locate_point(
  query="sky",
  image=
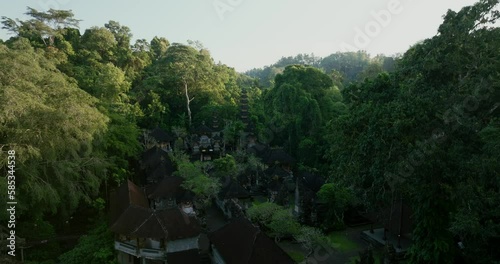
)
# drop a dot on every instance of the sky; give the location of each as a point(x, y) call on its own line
point(246, 34)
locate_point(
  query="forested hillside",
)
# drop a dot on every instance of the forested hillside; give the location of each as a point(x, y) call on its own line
point(343, 67)
point(423, 127)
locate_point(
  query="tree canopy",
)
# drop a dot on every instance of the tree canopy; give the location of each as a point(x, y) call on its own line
point(423, 127)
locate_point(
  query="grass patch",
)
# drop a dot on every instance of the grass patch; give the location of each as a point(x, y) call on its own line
point(339, 241)
point(259, 200)
point(377, 255)
point(352, 260)
point(296, 256)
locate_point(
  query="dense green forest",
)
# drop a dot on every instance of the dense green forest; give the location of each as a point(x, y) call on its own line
point(423, 126)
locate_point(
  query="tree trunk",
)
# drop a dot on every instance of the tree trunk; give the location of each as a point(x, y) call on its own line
point(309, 254)
point(188, 102)
point(296, 208)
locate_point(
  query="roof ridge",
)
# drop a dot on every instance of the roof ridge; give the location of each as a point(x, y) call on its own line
point(185, 216)
point(161, 224)
point(129, 193)
point(255, 234)
point(143, 222)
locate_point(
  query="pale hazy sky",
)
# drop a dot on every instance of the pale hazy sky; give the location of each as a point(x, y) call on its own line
point(253, 33)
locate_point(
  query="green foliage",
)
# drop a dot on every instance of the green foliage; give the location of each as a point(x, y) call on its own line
point(39, 230)
point(204, 187)
point(225, 166)
point(101, 41)
point(426, 132)
point(337, 199)
point(159, 47)
point(154, 111)
point(366, 257)
point(346, 66)
point(43, 28)
point(297, 256)
point(232, 131)
point(300, 92)
point(187, 80)
point(121, 139)
point(339, 241)
point(277, 220)
point(349, 64)
point(263, 213)
point(51, 124)
point(310, 237)
point(283, 224)
point(95, 247)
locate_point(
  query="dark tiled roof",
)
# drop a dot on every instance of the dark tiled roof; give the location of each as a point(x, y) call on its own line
point(233, 190)
point(130, 213)
point(150, 188)
point(153, 156)
point(179, 224)
point(259, 150)
point(240, 242)
point(169, 187)
point(397, 220)
point(276, 170)
point(171, 224)
point(184, 257)
point(186, 196)
point(136, 222)
point(279, 155)
point(203, 243)
point(203, 129)
point(128, 194)
point(235, 240)
point(312, 181)
point(157, 164)
point(267, 252)
point(163, 169)
point(274, 185)
point(131, 216)
point(161, 136)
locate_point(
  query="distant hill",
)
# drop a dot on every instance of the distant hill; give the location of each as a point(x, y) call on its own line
point(344, 67)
